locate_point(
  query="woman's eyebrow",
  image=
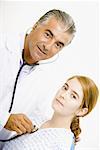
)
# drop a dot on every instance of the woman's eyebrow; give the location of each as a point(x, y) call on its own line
point(66, 84)
point(73, 91)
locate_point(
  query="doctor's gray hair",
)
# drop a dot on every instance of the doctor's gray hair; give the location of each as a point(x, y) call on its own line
point(61, 16)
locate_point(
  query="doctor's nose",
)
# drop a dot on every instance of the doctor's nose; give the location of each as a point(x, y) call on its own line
point(45, 48)
point(48, 46)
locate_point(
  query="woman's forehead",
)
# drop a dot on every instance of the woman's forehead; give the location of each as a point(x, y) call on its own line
point(75, 85)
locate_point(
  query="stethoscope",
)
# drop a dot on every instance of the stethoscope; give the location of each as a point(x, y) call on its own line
point(15, 85)
point(12, 138)
point(16, 80)
point(13, 94)
point(51, 60)
point(33, 65)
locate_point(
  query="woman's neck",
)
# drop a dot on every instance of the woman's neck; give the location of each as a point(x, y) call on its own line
point(58, 121)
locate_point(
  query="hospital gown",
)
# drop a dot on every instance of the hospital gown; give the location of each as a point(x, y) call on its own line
point(43, 139)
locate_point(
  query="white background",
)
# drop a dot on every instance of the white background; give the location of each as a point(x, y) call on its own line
point(80, 57)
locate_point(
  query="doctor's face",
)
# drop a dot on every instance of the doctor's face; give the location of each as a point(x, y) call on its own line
point(69, 98)
point(46, 40)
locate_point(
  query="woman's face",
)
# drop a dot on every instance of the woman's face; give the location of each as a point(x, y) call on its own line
point(69, 98)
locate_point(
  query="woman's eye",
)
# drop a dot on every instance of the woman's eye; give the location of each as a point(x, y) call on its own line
point(73, 96)
point(65, 88)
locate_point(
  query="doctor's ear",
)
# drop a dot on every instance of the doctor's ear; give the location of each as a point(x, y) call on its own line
point(82, 112)
point(29, 30)
point(35, 26)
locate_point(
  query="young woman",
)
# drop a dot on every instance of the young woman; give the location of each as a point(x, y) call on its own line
point(75, 99)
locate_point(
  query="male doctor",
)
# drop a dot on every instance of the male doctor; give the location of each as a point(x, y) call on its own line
point(19, 62)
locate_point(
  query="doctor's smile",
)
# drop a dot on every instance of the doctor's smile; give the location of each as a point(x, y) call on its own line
point(42, 51)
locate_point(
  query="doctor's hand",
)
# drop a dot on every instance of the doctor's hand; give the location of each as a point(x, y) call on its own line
point(19, 123)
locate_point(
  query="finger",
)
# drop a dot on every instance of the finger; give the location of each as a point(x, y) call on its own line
point(13, 127)
point(28, 121)
point(26, 126)
point(17, 130)
point(21, 127)
point(8, 128)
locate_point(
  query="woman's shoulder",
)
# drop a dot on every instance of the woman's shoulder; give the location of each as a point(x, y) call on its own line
point(64, 139)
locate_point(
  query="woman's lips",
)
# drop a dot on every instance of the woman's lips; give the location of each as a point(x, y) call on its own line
point(59, 102)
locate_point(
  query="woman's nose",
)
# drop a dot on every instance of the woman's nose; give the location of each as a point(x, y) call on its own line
point(63, 94)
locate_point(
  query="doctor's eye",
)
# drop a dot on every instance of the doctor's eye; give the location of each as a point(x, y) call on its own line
point(58, 45)
point(47, 35)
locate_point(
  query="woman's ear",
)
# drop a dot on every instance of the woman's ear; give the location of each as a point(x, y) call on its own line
point(82, 112)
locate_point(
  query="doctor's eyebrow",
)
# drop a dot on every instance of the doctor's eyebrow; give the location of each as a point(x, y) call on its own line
point(50, 32)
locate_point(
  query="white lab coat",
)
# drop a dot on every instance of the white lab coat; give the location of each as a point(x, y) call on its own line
point(29, 90)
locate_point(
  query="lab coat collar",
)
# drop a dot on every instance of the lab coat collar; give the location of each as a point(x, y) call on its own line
point(15, 42)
